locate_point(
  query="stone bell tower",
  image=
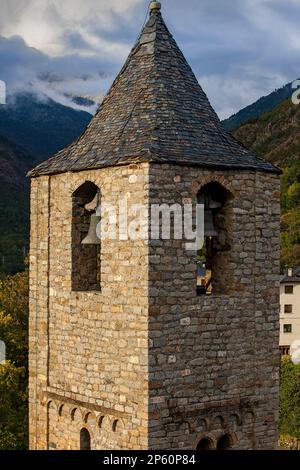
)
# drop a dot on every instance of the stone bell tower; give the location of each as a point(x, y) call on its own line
point(143, 344)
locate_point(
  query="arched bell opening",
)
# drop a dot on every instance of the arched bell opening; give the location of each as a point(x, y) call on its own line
point(86, 245)
point(213, 255)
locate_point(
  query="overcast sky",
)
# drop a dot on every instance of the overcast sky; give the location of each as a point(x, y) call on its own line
point(239, 49)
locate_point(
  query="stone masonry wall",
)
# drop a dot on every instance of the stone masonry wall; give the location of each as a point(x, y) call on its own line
point(88, 350)
point(212, 364)
point(214, 360)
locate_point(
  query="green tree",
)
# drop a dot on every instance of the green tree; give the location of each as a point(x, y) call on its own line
point(290, 399)
point(14, 373)
point(290, 215)
point(14, 317)
point(293, 195)
point(13, 408)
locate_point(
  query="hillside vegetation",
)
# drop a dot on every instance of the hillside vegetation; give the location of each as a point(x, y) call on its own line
point(14, 206)
point(275, 136)
point(14, 372)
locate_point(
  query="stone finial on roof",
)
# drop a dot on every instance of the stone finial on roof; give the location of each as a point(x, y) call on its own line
point(155, 6)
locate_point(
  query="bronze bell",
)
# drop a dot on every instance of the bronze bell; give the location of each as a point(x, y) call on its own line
point(214, 204)
point(92, 238)
point(209, 228)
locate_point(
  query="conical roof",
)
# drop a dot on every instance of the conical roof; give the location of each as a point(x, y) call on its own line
point(155, 111)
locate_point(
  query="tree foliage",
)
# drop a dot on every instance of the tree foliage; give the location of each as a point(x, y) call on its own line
point(14, 372)
point(290, 218)
point(290, 398)
point(13, 407)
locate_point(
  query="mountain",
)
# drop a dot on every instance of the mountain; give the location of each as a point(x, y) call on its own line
point(275, 136)
point(14, 206)
point(14, 163)
point(261, 106)
point(31, 129)
point(40, 125)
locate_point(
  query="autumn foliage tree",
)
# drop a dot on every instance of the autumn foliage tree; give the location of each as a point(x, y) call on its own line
point(14, 372)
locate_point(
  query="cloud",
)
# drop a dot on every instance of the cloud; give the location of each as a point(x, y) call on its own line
point(25, 68)
point(42, 23)
point(239, 50)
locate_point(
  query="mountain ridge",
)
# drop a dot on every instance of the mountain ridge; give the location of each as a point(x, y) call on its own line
point(258, 108)
point(39, 124)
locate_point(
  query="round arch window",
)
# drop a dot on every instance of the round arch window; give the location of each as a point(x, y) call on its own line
point(85, 439)
point(224, 443)
point(204, 444)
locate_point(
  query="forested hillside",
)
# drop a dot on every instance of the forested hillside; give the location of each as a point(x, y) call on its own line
point(14, 206)
point(275, 136)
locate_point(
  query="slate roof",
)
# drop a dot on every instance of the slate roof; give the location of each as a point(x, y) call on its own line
point(294, 279)
point(155, 111)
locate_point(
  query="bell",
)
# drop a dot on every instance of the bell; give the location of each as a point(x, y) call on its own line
point(214, 204)
point(209, 228)
point(92, 238)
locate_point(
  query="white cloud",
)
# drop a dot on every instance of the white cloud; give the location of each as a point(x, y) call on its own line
point(230, 94)
point(41, 23)
point(240, 49)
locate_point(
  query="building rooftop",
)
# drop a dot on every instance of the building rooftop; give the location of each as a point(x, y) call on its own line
point(155, 111)
point(291, 275)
